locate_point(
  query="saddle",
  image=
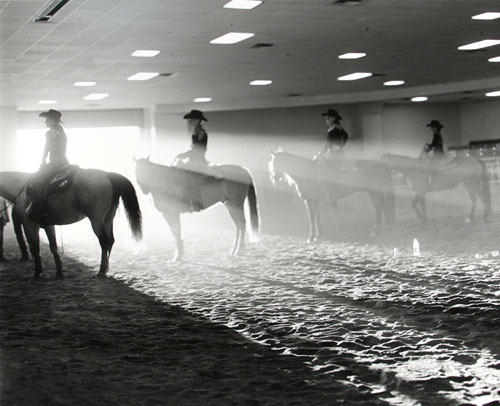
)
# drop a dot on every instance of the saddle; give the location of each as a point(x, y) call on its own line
point(62, 179)
point(44, 185)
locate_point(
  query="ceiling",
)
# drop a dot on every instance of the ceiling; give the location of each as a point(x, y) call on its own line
point(92, 40)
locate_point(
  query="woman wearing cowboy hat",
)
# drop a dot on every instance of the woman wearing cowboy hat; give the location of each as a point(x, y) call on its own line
point(55, 151)
point(199, 140)
point(336, 137)
point(436, 146)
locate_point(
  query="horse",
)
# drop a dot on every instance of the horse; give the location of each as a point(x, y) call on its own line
point(92, 194)
point(316, 180)
point(467, 170)
point(18, 231)
point(172, 188)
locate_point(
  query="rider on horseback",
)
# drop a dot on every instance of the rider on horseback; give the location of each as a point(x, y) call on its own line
point(55, 150)
point(434, 152)
point(336, 137)
point(194, 159)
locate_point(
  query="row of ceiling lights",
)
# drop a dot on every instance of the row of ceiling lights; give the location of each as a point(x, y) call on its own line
point(487, 16)
point(230, 38)
point(235, 37)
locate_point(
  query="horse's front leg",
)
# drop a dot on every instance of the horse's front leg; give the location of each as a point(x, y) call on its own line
point(312, 212)
point(417, 201)
point(473, 199)
point(174, 222)
point(51, 235)
point(31, 231)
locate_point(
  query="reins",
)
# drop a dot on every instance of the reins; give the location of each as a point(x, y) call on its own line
point(11, 203)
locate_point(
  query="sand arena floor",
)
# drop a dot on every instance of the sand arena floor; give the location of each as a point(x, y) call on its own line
point(341, 321)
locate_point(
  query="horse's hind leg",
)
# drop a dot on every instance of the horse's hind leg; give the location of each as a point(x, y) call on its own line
point(51, 235)
point(237, 213)
point(100, 232)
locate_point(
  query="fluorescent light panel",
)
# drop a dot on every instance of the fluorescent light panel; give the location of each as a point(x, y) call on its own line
point(84, 84)
point(419, 99)
point(494, 59)
point(232, 38)
point(145, 53)
point(352, 55)
point(493, 94)
point(355, 76)
point(480, 44)
point(243, 4)
point(96, 96)
point(261, 82)
point(394, 83)
point(486, 16)
point(202, 99)
point(47, 101)
point(143, 76)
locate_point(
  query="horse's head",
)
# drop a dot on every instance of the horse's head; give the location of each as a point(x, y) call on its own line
point(142, 175)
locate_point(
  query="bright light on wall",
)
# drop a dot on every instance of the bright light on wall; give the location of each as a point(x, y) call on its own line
point(419, 99)
point(82, 148)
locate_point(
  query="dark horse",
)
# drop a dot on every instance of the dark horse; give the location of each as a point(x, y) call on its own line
point(316, 181)
point(92, 193)
point(168, 187)
point(467, 170)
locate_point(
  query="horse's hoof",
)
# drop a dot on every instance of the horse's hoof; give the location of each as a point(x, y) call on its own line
point(22, 259)
point(37, 276)
point(59, 275)
point(3, 259)
point(101, 275)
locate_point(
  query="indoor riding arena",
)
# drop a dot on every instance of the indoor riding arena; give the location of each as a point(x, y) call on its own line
point(256, 203)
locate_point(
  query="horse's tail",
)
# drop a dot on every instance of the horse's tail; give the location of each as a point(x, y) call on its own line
point(254, 211)
point(123, 188)
point(485, 190)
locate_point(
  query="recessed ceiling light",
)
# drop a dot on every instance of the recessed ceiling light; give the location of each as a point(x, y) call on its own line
point(494, 59)
point(355, 76)
point(243, 4)
point(96, 96)
point(352, 55)
point(419, 99)
point(232, 38)
point(480, 44)
point(493, 94)
point(202, 99)
point(143, 76)
point(47, 101)
point(394, 83)
point(261, 82)
point(145, 53)
point(84, 84)
point(486, 16)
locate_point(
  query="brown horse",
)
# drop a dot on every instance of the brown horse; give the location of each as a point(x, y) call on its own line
point(92, 193)
point(468, 170)
point(315, 181)
point(171, 188)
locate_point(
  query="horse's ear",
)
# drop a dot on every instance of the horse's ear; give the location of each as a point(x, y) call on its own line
point(280, 149)
point(273, 154)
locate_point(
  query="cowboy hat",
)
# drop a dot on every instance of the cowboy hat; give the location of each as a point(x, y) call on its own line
point(195, 114)
point(332, 113)
point(435, 123)
point(56, 115)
